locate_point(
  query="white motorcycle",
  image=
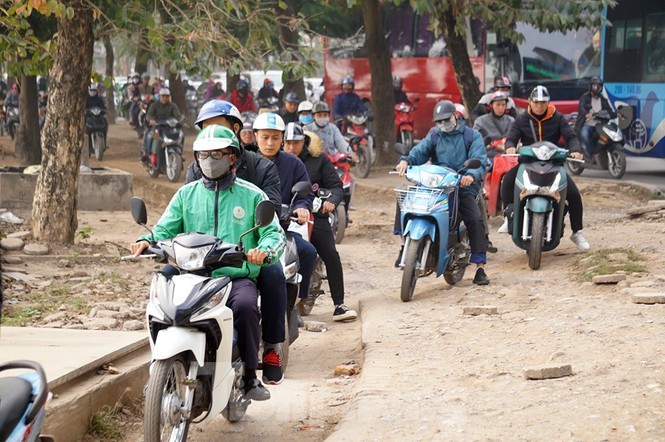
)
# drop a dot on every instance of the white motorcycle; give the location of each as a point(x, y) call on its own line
point(196, 367)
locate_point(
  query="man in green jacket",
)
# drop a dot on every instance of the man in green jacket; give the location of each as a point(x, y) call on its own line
point(222, 205)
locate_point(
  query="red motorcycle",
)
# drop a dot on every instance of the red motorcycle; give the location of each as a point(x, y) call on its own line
point(404, 123)
point(492, 188)
point(360, 139)
point(339, 219)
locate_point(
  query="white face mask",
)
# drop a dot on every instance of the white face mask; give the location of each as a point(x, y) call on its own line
point(447, 125)
point(321, 122)
point(214, 169)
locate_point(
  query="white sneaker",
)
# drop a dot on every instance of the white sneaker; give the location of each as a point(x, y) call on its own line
point(580, 241)
point(504, 226)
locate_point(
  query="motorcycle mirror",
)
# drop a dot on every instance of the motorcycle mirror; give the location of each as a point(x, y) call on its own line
point(401, 149)
point(301, 188)
point(139, 212)
point(265, 212)
point(472, 163)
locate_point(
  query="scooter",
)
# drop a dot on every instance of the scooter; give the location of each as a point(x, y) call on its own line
point(23, 402)
point(403, 113)
point(95, 129)
point(434, 240)
point(342, 163)
point(493, 179)
point(143, 104)
point(196, 367)
point(12, 120)
point(608, 154)
point(361, 141)
point(3, 117)
point(168, 139)
point(540, 200)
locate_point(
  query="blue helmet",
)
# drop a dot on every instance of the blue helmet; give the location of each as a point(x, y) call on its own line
point(348, 80)
point(218, 108)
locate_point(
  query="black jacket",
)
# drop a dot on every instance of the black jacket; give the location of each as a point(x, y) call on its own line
point(549, 127)
point(321, 171)
point(585, 108)
point(265, 176)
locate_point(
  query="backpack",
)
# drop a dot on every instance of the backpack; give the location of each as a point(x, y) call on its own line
point(468, 140)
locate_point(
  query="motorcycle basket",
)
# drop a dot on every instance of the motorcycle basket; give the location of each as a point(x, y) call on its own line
point(416, 199)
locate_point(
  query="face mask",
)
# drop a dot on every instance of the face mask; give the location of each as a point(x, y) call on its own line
point(447, 125)
point(321, 122)
point(306, 119)
point(214, 169)
point(596, 88)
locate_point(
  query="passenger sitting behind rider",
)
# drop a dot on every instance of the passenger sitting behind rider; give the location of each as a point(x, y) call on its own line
point(216, 150)
point(495, 125)
point(445, 145)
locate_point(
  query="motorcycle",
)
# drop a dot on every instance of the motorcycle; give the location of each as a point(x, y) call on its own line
point(434, 240)
point(404, 123)
point(23, 400)
point(3, 117)
point(270, 104)
point(95, 129)
point(192, 100)
point(170, 138)
point(143, 111)
point(340, 220)
point(357, 134)
point(12, 120)
point(196, 367)
point(494, 177)
point(608, 154)
point(540, 197)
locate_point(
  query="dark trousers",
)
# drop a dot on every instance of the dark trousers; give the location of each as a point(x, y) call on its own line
point(573, 197)
point(307, 258)
point(272, 287)
point(586, 134)
point(243, 301)
point(469, 212)
point(324, 243)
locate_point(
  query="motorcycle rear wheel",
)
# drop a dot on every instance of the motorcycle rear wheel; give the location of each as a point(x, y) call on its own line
point(163, 418)
point(452, 277)
point(364, 161)
point(412, 257)
point(616, 165)
point(98, 145)
point(535, 249)
point(406, 138)
point(174, 168)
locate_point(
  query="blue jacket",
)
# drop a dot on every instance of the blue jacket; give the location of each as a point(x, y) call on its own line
point(451, 152)
point(348, 104)
point(292, 170)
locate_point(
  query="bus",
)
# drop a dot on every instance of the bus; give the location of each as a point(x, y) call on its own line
point(626, 55)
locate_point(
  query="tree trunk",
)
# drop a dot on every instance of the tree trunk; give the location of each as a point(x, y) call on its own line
point(28, 150)
point(55, 202)
point(459, 57)
point(383, 99)
point(178, 95)
point(142, 53)
point(110, 102)
point(289, 41)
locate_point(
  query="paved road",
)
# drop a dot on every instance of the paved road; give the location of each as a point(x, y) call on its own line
point(649, 171)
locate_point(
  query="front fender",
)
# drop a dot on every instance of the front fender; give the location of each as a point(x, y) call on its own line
point(418, 228)
point(175, 340)
point(538, 204)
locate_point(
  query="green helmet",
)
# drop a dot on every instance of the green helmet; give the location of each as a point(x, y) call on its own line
point(215, 137)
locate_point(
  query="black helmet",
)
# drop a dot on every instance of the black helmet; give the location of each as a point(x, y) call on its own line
point(596, 85)
point(321, 106)
point(501, 82)
point(397, 82)
point(539, 94)
point(291, 97)
point(242, 84)
point(596, 80)
point(443, 110)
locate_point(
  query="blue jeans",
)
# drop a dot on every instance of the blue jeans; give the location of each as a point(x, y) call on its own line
point(307, 257)
point(586, 133)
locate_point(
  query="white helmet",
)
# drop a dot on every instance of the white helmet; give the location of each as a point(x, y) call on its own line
point(269, 120)
point(305, 106)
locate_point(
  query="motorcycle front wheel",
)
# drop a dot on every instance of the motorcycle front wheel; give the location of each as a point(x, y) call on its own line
point(535, 249)
point(98, 145)
point(412, 258)
point(338, 221)
point(174, 165)
point(616, 164)
point(364, 160)
point(164, 417)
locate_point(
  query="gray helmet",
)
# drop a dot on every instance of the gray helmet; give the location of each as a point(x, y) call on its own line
point(321, 106)
point(291, 97)
point(539, 94)
point(443, 110)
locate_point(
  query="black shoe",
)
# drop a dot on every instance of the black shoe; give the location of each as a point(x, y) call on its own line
point(255, 391)
point(490, 247)
point(399, 257)
point(272, 367)
point(481, 277)
point(343, 313)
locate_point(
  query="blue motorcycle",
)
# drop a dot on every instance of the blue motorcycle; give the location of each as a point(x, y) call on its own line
point(434, 239)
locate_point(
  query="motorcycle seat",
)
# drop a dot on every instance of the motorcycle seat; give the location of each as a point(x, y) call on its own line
point(15, 395)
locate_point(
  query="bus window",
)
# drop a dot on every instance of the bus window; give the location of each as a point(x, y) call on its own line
point(654, 54)
point(623, 62)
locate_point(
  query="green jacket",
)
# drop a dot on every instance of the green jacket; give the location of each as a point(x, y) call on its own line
point(192, 209)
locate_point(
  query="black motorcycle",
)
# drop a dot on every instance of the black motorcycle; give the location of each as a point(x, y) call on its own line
point(95, 130)
point(12, 120)
point(168, 159)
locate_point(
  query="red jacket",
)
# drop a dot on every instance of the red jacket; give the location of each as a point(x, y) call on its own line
point(246, 105)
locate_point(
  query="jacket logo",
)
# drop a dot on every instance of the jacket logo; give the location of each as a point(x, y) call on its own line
point(238, 212)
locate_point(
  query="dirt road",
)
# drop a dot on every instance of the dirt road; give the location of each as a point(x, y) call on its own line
point(432, 373)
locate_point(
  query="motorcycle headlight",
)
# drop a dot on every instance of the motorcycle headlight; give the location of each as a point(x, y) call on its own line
point(95, 111)
point(431, 179)
point(615, 135)
point(544, 152)
point(190, 258)
point(172, 122)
